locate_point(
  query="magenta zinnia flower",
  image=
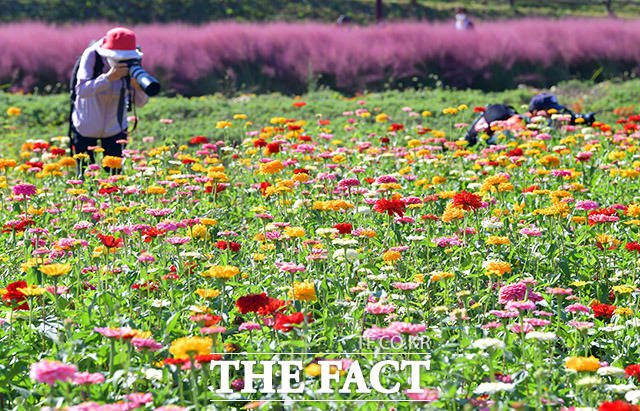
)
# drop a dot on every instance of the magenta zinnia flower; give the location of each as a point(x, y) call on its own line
point(24, 189)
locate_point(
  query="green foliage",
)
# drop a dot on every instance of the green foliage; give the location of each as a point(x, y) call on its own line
point(47, 115)
point(360, 11)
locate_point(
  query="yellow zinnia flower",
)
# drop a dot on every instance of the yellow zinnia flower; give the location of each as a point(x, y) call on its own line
point(305, 291)
point(186, 347)
point(55, 270)
point(583, 363)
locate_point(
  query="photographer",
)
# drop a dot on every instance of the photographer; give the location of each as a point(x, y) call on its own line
point(102, 89)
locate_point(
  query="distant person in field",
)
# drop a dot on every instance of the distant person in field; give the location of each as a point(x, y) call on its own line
point(102, 92)
point(344, 22)
point(462, 20)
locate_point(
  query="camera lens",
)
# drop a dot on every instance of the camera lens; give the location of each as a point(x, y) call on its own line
point(150, 85)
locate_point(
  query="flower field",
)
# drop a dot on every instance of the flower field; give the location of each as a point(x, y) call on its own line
point(323, 228)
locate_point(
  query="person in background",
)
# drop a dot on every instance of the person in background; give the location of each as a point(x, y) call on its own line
point(344, 22)
point(462, 20)
point(102, 94)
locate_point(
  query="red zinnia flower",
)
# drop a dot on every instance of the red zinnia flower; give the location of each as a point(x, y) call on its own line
point(479, 109)
point(151, 233)
point(515, 152)
point(617, 405)
point(207, 358)
point(263, 187)
point(109, 190)
point(391, 207)
point(633, 246)
point(286, 322)
point(14, 298)
point(259, 143)
point(110, 241)
point(273, 148)
point(146, 286)
point(343, 228)
point(35, 164)
point(198, 140)
point(603, 310)
point(468, 201)
point(633, 370)
point(273, 306)
point(299, 104)
point(252, 303)
point(206, 320)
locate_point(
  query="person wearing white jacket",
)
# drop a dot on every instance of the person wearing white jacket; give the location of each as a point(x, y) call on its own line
point(98, 113)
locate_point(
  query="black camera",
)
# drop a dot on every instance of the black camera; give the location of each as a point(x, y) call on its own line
point(150, 85)
point(588, 118)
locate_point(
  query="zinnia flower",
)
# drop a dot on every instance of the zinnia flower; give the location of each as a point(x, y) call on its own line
point(48, 371)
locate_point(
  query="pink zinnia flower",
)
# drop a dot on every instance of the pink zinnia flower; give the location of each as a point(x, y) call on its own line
point(349, 182)
point(406, 286)
point(379, 308)
point(291, 267)
point(146, 344)
point(520, 305)
point(140, 398)
point(574, 308)
point(537, 322)
point(586, 205)
point(178, 240)
point(515, 328)
point(48, 371)
point(504, 314)
point(60, 290)
point(407, 328)
point(375, 333)
point(249, 325)
point(490, 325)
point(81, 378)
point(581, 325)
point(213, 330)
point(534, 232)
point(559, 291)
point(386, 180)
point(424, 396)
point(516, 292)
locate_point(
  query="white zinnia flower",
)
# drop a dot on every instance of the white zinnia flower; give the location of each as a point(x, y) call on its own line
point(611, 372)
point(619, 388)
point(633, 396)
point(485, 343)
point(541, 336)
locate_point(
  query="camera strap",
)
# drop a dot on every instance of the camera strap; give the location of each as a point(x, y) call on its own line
point(120, 113)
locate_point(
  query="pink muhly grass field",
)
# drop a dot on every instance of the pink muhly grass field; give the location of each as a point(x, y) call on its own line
point(185, 57)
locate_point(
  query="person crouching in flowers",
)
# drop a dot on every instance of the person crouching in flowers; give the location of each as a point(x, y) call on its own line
point(100, 98)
